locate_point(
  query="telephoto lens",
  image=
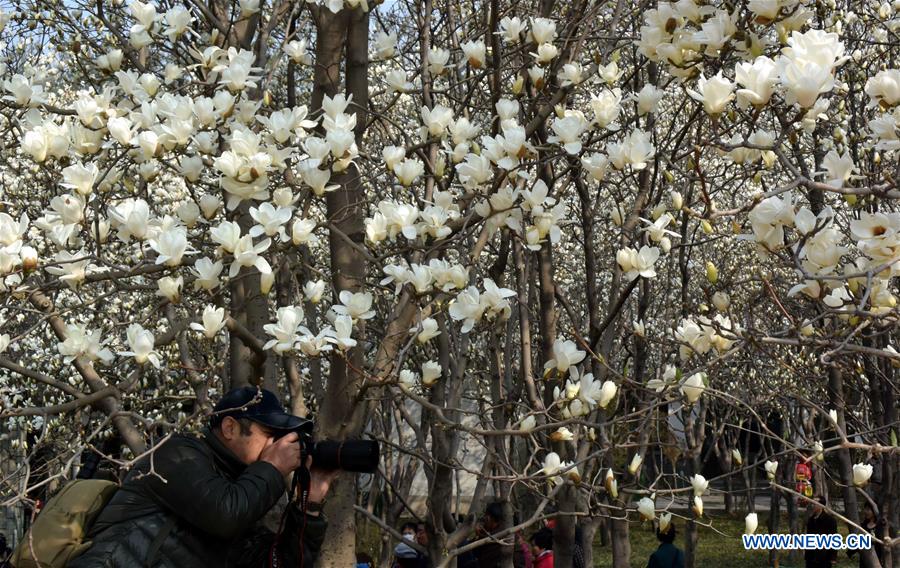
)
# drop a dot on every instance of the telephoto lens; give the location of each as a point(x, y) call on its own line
point(359, 456)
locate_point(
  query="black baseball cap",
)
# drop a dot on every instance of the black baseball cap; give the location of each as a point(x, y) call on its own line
point(259, 405)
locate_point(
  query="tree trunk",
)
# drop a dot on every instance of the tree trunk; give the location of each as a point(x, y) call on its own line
point(340, 416)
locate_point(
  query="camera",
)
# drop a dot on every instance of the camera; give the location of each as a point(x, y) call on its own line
point(358, 456)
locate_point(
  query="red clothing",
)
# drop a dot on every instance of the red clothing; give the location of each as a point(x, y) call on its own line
point(545, 560)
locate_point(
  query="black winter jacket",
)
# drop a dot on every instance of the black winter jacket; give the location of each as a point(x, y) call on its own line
point(216, 502)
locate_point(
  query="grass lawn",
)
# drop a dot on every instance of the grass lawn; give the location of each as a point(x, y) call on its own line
point(714, 549)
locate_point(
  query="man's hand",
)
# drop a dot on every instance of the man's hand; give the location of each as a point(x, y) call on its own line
point(320, 481)
point(283, 453)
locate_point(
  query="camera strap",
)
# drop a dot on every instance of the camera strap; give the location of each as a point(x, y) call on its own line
point(299, 486)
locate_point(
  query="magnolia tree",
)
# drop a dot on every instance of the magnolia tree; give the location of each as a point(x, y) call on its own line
point(608, 248)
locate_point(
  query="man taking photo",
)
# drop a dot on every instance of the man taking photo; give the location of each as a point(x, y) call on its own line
point(198, 500)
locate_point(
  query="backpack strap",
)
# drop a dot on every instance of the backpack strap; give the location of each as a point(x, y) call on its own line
point(157, 543)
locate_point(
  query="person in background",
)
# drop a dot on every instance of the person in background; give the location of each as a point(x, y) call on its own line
point(820, 522)
point(490, 555)
point(422, 539)
point(874, 525)
point(542, 548)
point(578, 553)
point(405, 556)
point(667, 555)
point(363, 560)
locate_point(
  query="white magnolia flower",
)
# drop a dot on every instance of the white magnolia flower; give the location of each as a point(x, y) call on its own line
point(71, 271)
point(238, 73)
point(177, 21)
point(567, 132)
point(80, 177)
point(700, 484)
point(313, 291)
point(635, 151)
point(562, 434)
point(528, 423)
point(131, 219)
point(110, 61)
point(302, 232)
point(436, 119)
point(437, 60)
point(657, 229)
point(721, 301)
point(884, 88)
point(771, 467)
point(607, 105)
point(342, 333)
point(23, 92)
point(612, 486)
point(665, 520)
point(121, 129)
point(11, 231)
point(638, 263)
point(288, 320)
point(635, 464)
point(171, 246)
point(693, 387)
point(758, 80)
point(610, 73)
point(398, 82)
point(385, 45)
point(313, 345)
point(697, 506)
point(638, 328)
point(207, 273)
point(210, 205)
point(246, 254)
point(751, 522)
point(392, 155)
point(808, 64)
point(596, 165)
point(189, 213)
point(838, 168)
point(213, 321)
point(426, 330)
point(270, 220)
point(648, 99)
point(565, 355)
point(170, 288)
point(861, 474)
point(4, 342)
point(467, 307)
point(408, 380)
point(736, 457)
point(474, 52)
point(357, 305)
point(546, 52)
point(607, 393)
point(715, 93)
point(408, 170)
point(141, 343)
point(431, 372)
point(84, 344)
point(647, 508)
point(297, 51)
point(818, 451)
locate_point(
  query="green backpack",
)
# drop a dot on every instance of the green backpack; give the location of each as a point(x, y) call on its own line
point(58, 532)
